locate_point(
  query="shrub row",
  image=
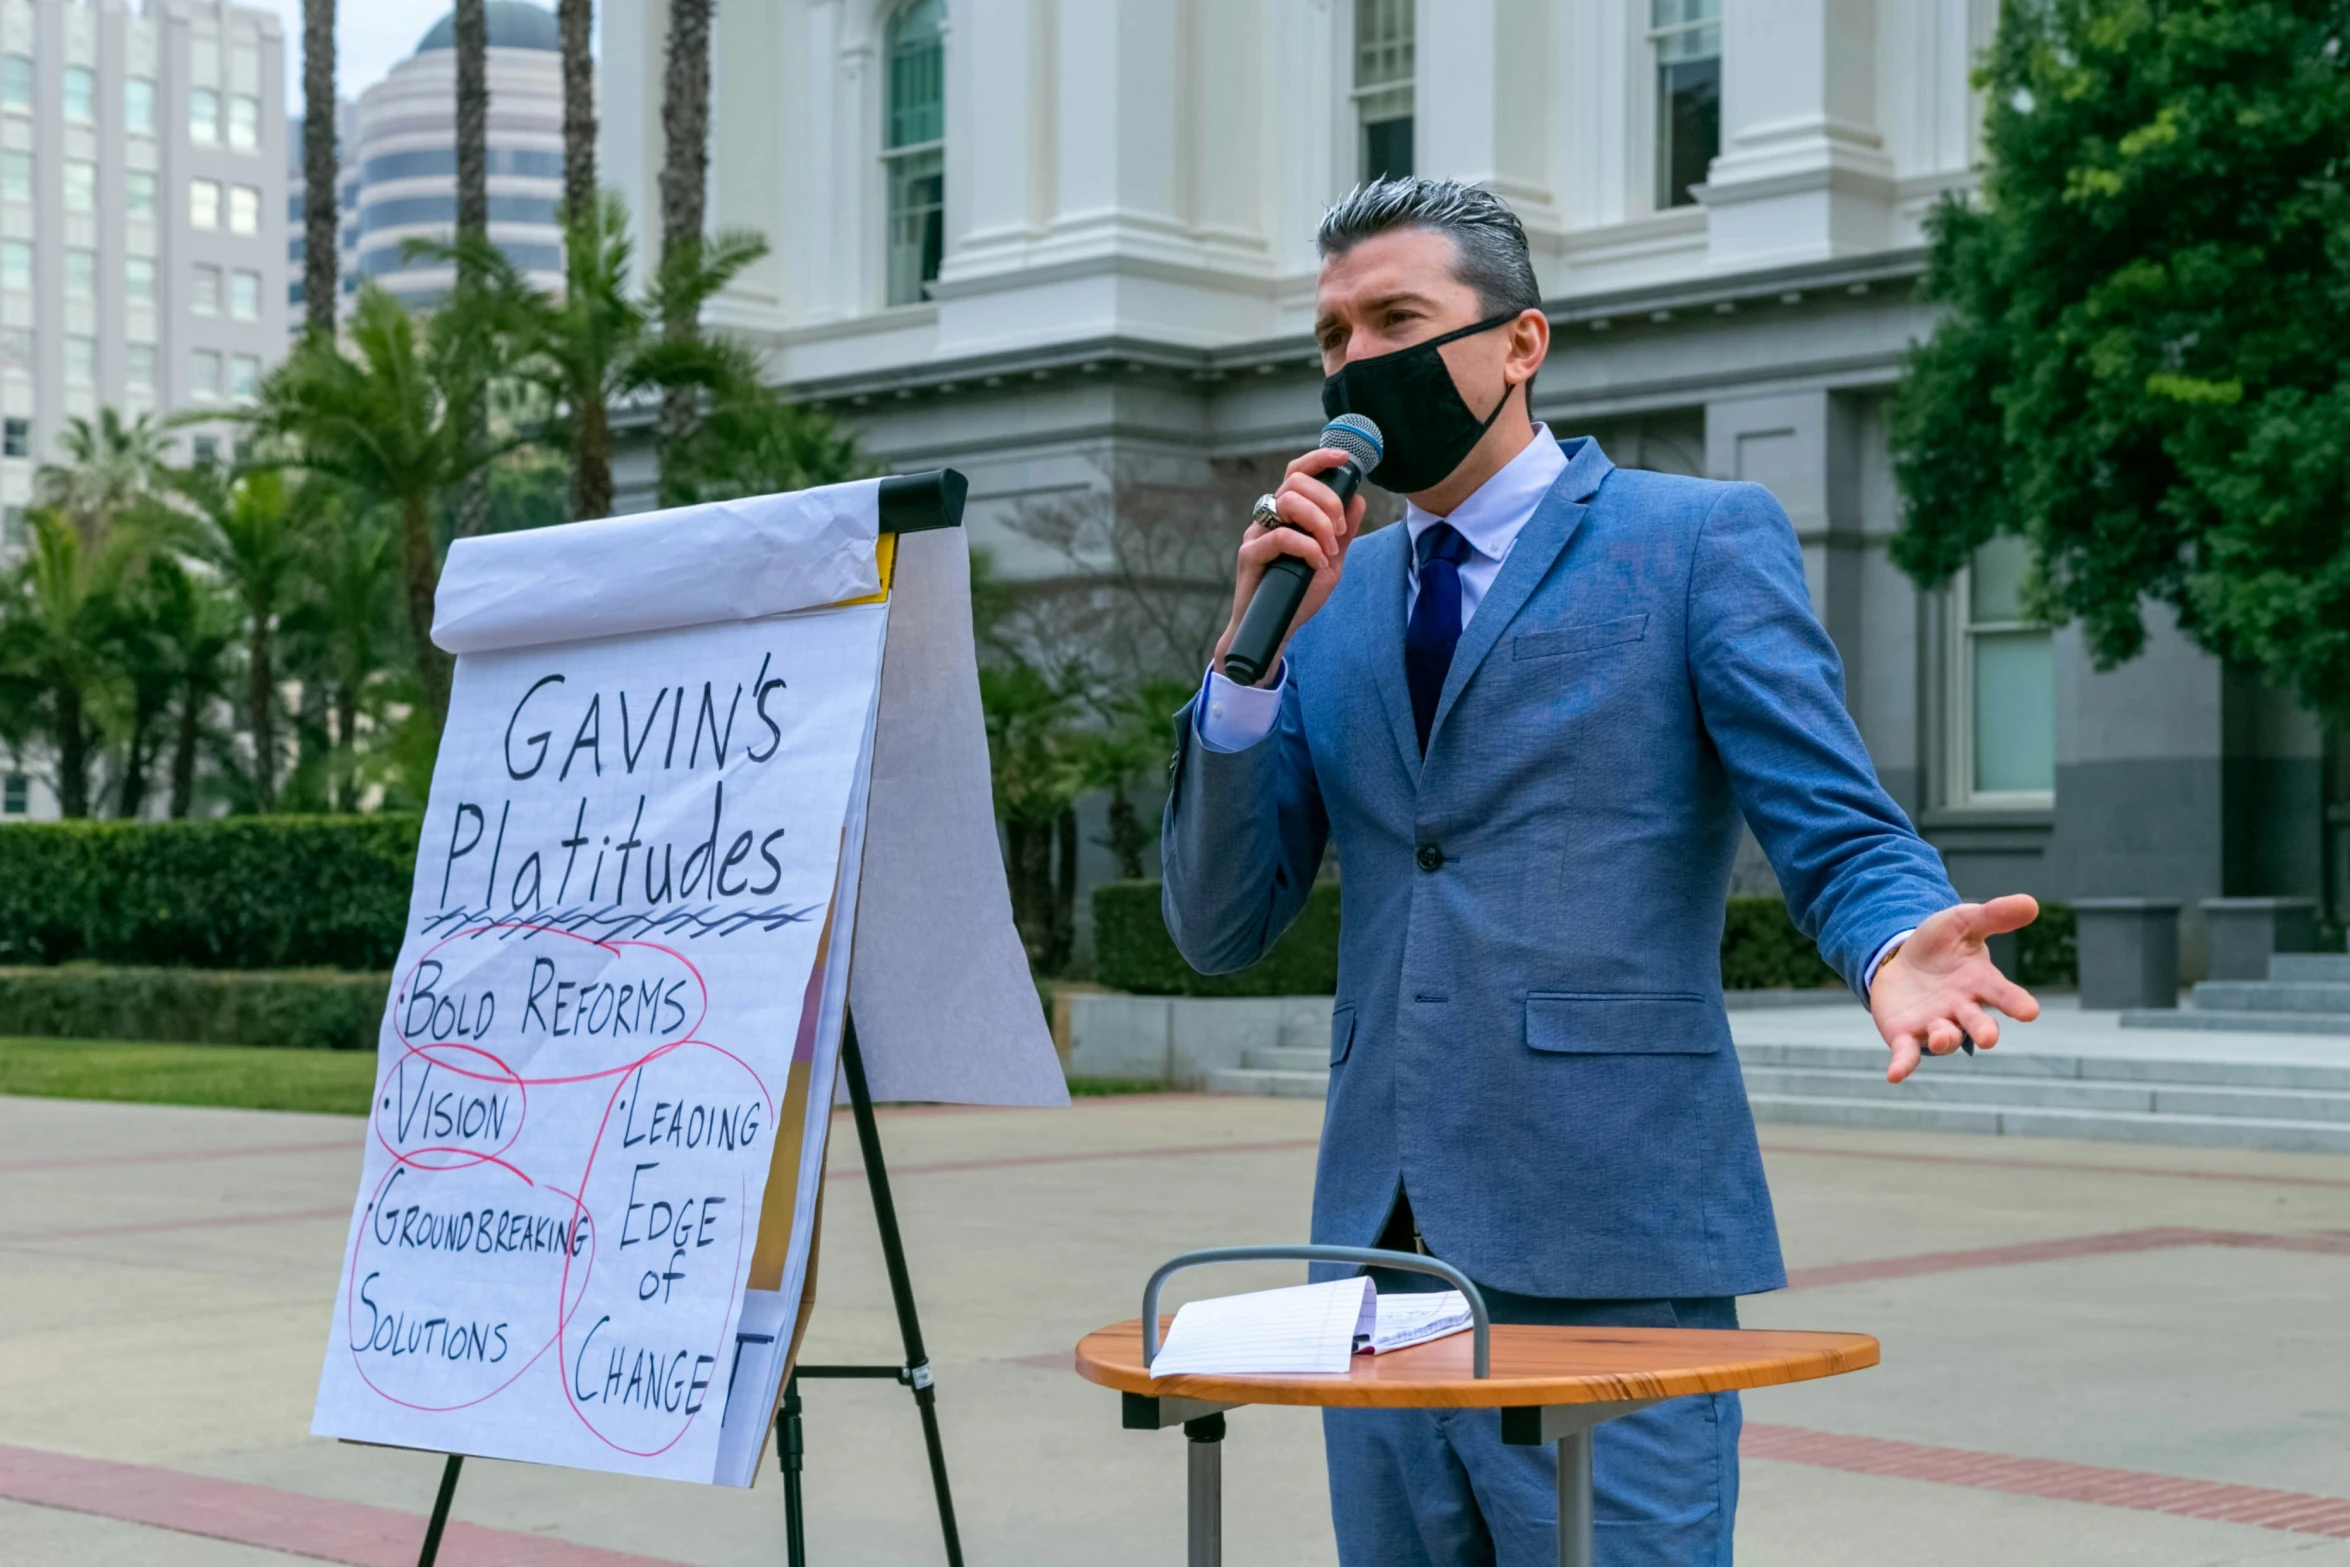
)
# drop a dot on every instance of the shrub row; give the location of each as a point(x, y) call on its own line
point(304, 1010)
point(1761, 949)
point(251, 892)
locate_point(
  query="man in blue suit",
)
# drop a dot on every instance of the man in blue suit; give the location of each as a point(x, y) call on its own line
point(1529, 722)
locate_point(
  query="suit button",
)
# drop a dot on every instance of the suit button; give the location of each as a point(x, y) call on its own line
point(1430, 857)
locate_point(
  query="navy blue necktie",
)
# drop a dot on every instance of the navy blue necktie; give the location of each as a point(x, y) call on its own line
point(1435, 624)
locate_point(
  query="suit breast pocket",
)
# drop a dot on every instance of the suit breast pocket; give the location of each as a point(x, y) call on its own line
point(1618, 1024)
point(1588, 637)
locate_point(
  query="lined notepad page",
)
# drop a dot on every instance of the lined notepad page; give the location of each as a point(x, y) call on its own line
point(1305, 1330)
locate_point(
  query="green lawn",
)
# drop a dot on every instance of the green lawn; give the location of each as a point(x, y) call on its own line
point(337, 1082)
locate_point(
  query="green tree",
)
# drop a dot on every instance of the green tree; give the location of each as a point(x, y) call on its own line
point(1037, 755)
point(345, 623)
point(388, 415)
point(1134, 741)
point(2143, 361)
point(58, 631)
point(112, 466)
point(246, 532)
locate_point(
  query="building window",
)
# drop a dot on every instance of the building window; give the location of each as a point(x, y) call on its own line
point(1688, 39)
point(81, 95)
point(16, 82)
point(1383, 87)
point(16, 350)
point(138, 106)
point(81, 185)
point(207, 449)
point(138, 278)
point(244, 122)
point(244, 375)
point(16, 437)
point(204, 373)
point(16, 791)
point(244, 295)
point(204, 204)
point(138, 194)
point(81, 272)
point(915, 149)
point(204, 117)
point(244, 209)
point(16, 176)
point(2003, 737)
point(204, 294)
point(138, 365)
point(16, 264)
point(81, 361)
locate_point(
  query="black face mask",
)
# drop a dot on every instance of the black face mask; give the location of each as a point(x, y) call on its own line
point(1409, 394)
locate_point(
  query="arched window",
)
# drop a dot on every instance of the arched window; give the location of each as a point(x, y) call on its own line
point(914, 147)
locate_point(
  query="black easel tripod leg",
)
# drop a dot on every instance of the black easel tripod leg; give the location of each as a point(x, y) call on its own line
point(788, 1452)
point(901, 1284)
point(440, 1511)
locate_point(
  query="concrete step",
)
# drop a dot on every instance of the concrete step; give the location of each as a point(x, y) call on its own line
point(1960, 1089)
point(2322, 968)
point(2240, 1022)
point(2276, 995)
point(1289, 1058)
point(1267, 1084)
point(2295, 1136)
point(2008, 1065)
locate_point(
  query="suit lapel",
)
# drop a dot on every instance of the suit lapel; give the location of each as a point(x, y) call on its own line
point(1389, 610)
point(1530, 559)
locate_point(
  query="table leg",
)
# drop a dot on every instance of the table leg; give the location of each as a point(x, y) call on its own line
point(1574, 1455)
point(1206, 1451)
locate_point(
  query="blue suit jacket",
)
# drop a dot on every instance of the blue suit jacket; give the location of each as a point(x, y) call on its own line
point(1529, 1034)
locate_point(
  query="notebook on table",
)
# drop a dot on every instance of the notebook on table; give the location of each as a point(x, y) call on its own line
point(1304, 1330)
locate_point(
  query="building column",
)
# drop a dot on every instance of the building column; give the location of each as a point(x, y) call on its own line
point(1481, 105)
point(1803, 172)
point(1804, 447)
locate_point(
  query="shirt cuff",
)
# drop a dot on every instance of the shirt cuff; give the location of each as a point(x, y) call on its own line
point(1233, 717)
point(1869, 983)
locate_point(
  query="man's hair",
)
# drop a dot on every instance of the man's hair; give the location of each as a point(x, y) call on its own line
point(1489, 243)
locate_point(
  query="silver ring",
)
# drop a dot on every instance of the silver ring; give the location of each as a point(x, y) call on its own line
point(1267, 513)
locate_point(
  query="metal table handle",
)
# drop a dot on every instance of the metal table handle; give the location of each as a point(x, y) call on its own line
point(1481, 1324)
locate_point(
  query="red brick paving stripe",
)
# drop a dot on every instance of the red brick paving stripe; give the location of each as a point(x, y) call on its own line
point(183, 1156)
point(2291, 1512)
point(324, 1530)
point(2115, 1243)
point(2060, 1166)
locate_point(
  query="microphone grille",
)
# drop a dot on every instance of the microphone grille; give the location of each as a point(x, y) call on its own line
point(1356, 436)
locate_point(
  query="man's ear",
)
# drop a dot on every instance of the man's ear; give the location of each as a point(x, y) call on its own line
point(1529, 341)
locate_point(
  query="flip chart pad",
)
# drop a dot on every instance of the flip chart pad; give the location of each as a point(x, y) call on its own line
point(607, 1063)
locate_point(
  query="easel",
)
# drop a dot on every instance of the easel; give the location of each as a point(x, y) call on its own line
point(914, 1374)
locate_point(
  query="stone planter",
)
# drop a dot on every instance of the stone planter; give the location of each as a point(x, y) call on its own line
point(2129, 950)
point(2247, 932)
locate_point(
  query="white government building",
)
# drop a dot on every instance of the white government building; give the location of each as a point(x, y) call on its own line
point(1053, 242)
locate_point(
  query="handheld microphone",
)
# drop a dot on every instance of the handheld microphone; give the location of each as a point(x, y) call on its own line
point(1266, 621)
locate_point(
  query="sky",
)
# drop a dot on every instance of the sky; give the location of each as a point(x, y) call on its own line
point(371, 36)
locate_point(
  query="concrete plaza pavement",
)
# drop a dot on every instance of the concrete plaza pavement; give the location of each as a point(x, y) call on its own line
point(2163, 1328)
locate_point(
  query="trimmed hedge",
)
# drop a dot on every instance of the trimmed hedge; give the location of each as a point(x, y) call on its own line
point(1132, 950)
point(1761, 949)
point(247, 892)
point(304, 1010)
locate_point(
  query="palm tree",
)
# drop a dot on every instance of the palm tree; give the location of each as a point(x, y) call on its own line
point(685, 131)
point(388, 417)
point(596, 343)
point(1037, 757)
point(576, 21)
point(247, 533)
point(194, 626)
point(473, 221)
point(320, 218)
point(110, 468)
point(347, 620)
point(56, 645)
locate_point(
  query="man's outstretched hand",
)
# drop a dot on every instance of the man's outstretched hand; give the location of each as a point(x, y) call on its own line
point(1941, 982)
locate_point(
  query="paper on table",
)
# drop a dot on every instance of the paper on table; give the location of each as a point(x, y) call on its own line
point(1402, 1320)
point(1305, 1330)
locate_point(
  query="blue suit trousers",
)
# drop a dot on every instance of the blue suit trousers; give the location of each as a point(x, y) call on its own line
point(1439, 1488)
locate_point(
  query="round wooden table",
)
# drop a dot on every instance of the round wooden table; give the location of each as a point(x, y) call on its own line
point(1550, 1384)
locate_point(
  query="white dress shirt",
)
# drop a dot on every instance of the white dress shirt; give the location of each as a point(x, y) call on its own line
point(1233, 717)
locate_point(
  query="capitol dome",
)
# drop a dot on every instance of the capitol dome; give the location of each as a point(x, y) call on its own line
point(512, 25)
